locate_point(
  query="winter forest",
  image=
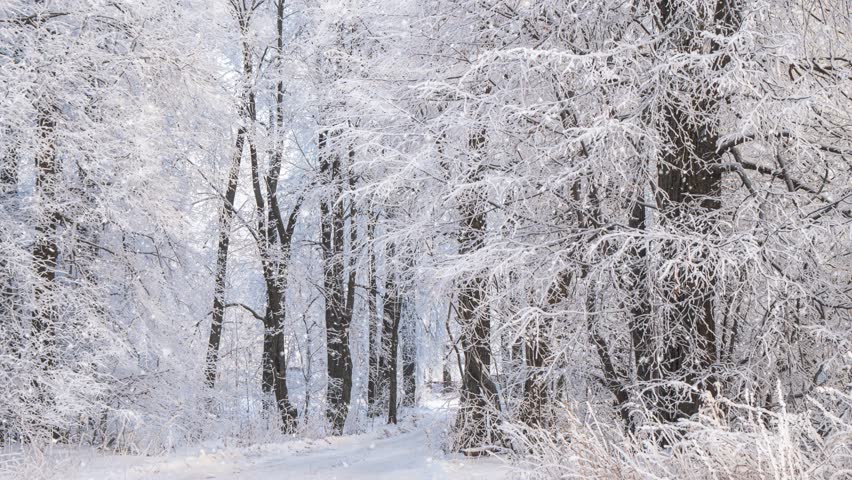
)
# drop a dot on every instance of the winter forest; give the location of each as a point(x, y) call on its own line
point(437, 239)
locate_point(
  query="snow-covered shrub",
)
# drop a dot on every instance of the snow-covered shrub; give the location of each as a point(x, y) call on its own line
point(728, 441)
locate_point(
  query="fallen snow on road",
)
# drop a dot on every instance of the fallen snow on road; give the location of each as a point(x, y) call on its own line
point(410, 451)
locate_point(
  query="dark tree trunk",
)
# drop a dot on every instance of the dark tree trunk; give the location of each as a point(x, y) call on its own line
point(391, 315)
point(10, 330)
point(46, 250)
point(337, 314)
point(225, 219)
point(535, 402)
point(372, 325)
point(409, 354)
point(392, 370)
point(9, 166)
point(352, 270)
point(274, 371)
point(690, 192)
point(689, 197)
point(352, 274)
point(639, 297)
point(277, 265)
point(274, 367)
point(476, 420)
point(446, 376)
point(614, 374)
point(270, 231)
point(274, 374)
point(535, 406)
point(267, 373)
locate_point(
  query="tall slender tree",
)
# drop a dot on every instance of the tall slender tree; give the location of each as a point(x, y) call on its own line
point(338, 317)
point(226, 217)
point(373, 337)
point(476, 420)
point(391, 315)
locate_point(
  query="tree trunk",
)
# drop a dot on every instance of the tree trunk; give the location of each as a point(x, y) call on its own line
point(9, 166)
point(535, 404)
point(267, 372)
point(446, 376)
point(274, 266)
point(476, 420)
point(639, 297)
point(46, 250)
point(372, 325)
point(225, 219)
point(451, 347)
point(274, 368)
point(409, 352)
point(10, 330)
point(614, 375)
point(392, 311)
point(688, 198)
point(337, 316)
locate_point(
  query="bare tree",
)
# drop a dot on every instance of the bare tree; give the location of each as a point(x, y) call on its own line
point(476, 420)
point(374, 335)
point(408, 347)
point(225, 220)
point(338, 311)
point(46, 250)
point(391, 314)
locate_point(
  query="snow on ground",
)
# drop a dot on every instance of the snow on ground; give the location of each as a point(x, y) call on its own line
point(410, 451)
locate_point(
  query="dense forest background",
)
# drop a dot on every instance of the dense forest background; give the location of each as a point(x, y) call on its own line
point(620, 230)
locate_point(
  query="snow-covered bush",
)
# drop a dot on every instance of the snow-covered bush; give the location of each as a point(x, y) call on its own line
point(727, 441)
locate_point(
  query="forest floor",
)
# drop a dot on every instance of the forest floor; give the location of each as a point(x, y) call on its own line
point(410, 451)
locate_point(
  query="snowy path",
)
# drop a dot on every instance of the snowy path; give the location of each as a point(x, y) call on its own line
point(404, 456)
point(410, 452)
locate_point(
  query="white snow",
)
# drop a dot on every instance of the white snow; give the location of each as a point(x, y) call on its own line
point(410, 451)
